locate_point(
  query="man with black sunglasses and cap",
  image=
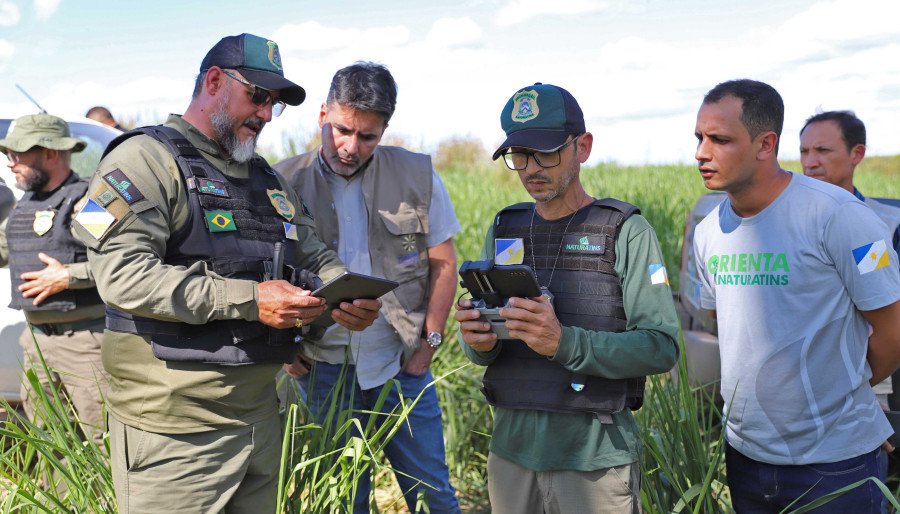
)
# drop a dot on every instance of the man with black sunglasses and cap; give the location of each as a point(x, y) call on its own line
point(564, 385)
point(203, 258)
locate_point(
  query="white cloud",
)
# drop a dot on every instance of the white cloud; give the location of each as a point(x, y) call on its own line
point(7, 50)
point(44, 9)
point(10, 15)
point(311, 36)
point(147, 99)
point(518, 11)
point(449, 32)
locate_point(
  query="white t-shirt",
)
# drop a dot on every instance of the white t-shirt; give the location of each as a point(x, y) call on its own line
point(788, 285)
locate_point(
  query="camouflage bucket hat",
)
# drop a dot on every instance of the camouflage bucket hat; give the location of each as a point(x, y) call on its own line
point(43, 130)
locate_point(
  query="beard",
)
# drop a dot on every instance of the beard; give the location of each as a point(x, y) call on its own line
point(561, 186)
point(223, 127)
point(32, 180)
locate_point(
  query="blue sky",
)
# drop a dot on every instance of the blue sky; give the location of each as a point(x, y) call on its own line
point(638, 68)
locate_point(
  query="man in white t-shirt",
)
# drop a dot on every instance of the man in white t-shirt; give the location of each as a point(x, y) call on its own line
point(796, 270)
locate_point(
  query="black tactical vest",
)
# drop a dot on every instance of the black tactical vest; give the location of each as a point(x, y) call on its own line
point(40, 223)
point(244, 253)
point(587, 293)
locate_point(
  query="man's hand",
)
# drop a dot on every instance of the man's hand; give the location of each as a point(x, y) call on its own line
point(282, 305)
point(420, 361)
point(301, 366)
point(358, 315)
point(45, 282)
point(476, 334)
point(533, 321)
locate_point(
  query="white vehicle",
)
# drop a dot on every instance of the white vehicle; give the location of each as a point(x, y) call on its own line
point(12, 322)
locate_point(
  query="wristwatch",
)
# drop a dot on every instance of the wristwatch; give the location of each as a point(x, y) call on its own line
point(433, 338)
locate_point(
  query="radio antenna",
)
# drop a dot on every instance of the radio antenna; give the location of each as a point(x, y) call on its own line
point(43, 111)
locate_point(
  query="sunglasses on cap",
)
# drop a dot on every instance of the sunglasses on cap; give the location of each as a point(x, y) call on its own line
point(260, 96)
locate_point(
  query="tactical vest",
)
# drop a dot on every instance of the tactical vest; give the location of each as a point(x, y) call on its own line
point(587, 293)
point(242, 251)
point(396, 187)
point(42, 225)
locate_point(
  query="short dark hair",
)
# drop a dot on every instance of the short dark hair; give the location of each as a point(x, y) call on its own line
point(198, 83)
point(99, 110)
point(762, 109)
point(365, 86)
point(852, 128)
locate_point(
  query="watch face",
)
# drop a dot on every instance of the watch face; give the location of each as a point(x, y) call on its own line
point(434, 339)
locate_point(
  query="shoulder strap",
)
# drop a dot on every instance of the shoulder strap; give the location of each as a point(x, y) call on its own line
point(625, 208)
point(517, 207)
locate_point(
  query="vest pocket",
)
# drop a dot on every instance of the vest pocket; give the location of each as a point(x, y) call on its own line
point(405, 221)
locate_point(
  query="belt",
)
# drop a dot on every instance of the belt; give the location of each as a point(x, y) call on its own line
point(57, 329)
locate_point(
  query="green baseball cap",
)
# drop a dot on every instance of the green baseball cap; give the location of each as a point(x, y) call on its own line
point(44, 130)
point(258, 60)
point(540, 117)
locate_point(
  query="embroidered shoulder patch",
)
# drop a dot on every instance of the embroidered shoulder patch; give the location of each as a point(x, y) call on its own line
point(106, 197)
point(43, 222)
point(658, 274)
point(509, 251)
point(210, 186)
point(123, 185)
point(290, 231)
point(872, 256)
point(219, 221)
point(95, 219)
point(282, 205)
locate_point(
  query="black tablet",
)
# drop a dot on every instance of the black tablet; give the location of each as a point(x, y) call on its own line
point(496, 284)
point(349, 286)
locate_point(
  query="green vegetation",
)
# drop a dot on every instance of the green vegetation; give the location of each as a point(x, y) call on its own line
point(50, 469)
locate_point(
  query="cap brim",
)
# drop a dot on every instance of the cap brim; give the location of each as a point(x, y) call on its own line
point(23, 144)
point(291, 93)
point(538, 140)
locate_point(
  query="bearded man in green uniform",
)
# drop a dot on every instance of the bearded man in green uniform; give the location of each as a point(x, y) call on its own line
point(564, 385)
point(190, 233)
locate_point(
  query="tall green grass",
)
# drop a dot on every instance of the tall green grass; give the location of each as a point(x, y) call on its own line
point(47, 467)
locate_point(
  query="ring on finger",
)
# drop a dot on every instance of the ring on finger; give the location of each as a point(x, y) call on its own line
point(299, 323)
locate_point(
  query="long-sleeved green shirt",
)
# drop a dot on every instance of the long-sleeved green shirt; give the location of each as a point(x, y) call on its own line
point(131, 275)
point(544, 441)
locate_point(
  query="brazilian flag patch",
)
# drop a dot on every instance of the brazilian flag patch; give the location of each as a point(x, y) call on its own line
point(219, 221)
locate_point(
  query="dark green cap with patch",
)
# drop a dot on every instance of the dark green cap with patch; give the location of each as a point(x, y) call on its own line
point(540, 117)
point(258, 60)
point(44, 130)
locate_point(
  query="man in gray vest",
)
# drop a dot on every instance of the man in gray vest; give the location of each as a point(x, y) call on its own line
point(565, 383)
point(386, 212)
point(49, 273)
point(187, 228)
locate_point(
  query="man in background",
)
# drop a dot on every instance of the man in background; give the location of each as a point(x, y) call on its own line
point(102, 115)
point(832, 144)
point(51, 279)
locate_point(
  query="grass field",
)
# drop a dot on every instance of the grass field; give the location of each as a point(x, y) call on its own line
point(682, 461)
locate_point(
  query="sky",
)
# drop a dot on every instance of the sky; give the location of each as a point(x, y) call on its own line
point(639, 68)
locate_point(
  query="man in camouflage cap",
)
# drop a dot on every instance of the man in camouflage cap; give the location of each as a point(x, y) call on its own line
point(51, 279)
